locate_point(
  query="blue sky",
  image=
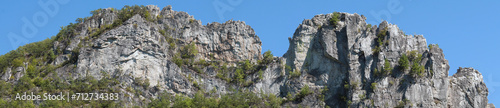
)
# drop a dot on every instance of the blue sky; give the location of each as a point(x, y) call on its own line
point(466, 31)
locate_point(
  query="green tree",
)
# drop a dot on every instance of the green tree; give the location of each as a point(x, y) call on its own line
point(189, 51)
point(289, 96)
point(247, 66)
point(200, 100)
point(18, 62)
point(5, 88)
point(403, 62)
point(273, 101)
point(162, 101)
point(335, 18)
point(417, 69)
point(183, 102)
point(240, 75)
point(31, 71)
point(268, 57)
point(304, 91)
point(178, 60)
point(373, 86)
point(24, 84)
point(387, 67)
point(260, 74)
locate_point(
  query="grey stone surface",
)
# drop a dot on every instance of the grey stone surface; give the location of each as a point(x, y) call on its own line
point(467, 89)
point(332, 56)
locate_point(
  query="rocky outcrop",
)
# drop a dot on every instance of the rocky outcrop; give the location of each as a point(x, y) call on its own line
point(344, 58)
point(346, 63)
point(137, 49)
point(230, 41)
point(467, 89)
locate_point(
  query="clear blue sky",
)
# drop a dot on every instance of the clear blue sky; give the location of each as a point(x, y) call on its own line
point(466, 31)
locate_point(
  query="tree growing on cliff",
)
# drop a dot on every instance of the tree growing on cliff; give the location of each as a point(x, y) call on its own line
point(335, 19)
point(403, 62)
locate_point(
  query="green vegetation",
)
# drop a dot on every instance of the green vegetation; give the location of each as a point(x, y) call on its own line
point(403, 62)
point(128, 11)
point(353, 85)
point(260, 74)
point(18, 62)
point(268, 58)
point(247, 66)
point(387, 67)
point(294, 74)
point(168, 37)
point(140, 82)
point(414, 56)
point(380, 40)
point(417, 70)
point(288, 68)
point(162, 32)
point(122, 15)
point(239, 77)
point(362, 96)
point(16, 58)
point(323, 93)
point(402, 103)
point(243, 68)
point(16, 104)
point(304, 91)
point(335, 19)
point(369, 27)
point(223, 72)
point(289, 97)
point(189, 51)
point(178, 60)
point(373, 86)
point(186, 56)
point(236, 99)
point(53, 84)
point(191, 20)
point(346, 85)
point(432, 45)
point(24, 84)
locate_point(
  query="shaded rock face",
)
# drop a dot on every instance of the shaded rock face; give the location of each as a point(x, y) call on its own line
point(467, 89)
point(348, 59)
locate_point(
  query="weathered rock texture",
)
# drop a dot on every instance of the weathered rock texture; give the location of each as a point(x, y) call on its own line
point(339, 57)
point(342, 58)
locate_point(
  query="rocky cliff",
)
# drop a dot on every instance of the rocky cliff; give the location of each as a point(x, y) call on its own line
point(334, 60)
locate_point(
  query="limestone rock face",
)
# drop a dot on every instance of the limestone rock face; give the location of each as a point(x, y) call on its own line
point(467, 89)
point(344, 58)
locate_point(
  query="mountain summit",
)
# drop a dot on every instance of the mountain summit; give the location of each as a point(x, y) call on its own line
point(166, 58)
